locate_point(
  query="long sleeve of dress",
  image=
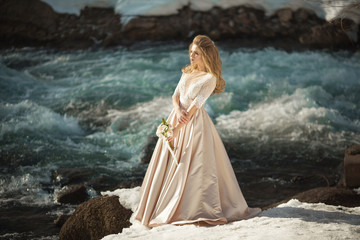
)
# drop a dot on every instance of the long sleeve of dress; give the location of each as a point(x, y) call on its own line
point(177, 89)
point(206, 90)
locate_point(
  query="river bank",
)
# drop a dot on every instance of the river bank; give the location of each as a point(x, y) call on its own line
point(113, 213)
point(342, 205)
point(35, 23)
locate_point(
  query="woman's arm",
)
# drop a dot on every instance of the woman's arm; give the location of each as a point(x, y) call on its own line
point(177, 128)
point(181, 114)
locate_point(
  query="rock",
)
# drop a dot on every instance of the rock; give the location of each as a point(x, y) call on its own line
point(215, 34)
point(31, 22)
point(104, 182)
point(353, 150)
point(28, 13)
point(113, 39)
point(285, 15)
point(332, 35)
point(95, 219)
point(129, 184)
point(329, 195)
point(66, 176)
point(301, 15)
point(93, 115)
point(352, 166)
point(72, 194)
point(108, 183)
point(60, 221)
point(149, 149)
point(29, 221)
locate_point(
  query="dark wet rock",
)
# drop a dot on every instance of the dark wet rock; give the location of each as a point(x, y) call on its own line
point(340, 33)
point(72, 194)
point(110, 183)
point(95, 219)
point(353, 150)
point(329, 195)
point(285, 15)
point(129, 184)
point(60, 221)
point(352, 166)
point(67, 176)
point(149, 149)
point(27, 220)
point(93, 115)
point(20, 155)
point(318, 179)
point(103, 183)
point(33, 22)
point(26, 20)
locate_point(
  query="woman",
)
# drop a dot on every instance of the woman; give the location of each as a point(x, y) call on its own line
point(202, 187)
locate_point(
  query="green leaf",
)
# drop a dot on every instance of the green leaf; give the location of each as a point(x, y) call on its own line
point(163, 121)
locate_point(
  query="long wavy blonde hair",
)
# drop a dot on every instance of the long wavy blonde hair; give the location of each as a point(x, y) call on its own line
point(211, 58)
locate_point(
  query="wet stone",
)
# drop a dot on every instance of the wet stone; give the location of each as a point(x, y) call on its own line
point(72, 194)
point(67, 176)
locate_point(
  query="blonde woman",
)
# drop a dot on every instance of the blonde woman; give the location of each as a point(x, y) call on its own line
point(202, 188)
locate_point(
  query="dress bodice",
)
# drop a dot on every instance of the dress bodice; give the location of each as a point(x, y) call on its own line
point(194, 88)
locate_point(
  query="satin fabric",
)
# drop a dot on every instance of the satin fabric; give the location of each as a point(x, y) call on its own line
point(201, 188)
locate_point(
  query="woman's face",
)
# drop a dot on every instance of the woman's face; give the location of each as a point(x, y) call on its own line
point(195, 56)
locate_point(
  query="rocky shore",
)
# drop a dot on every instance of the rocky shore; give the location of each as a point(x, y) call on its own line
point(35, 23)
point(104, 215)
point(101, 216)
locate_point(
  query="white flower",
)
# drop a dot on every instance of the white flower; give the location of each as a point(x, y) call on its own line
point(164, 130)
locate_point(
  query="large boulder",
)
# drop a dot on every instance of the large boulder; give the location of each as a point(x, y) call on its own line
point(72, 194)
point(30, 20)
point(95, 219)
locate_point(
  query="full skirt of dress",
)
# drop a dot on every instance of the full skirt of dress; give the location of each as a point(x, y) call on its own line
point(201, 188)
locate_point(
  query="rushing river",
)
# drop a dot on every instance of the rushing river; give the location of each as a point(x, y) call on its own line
point(285, 117)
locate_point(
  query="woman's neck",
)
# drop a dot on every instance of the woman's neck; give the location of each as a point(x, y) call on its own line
point(201, 68)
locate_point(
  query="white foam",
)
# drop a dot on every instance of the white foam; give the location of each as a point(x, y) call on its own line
point(27, 115)
point(295, 117)
point(27, 185)
point(291, 220)
point(140, 116)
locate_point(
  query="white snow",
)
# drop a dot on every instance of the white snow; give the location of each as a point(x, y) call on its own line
point(74, 6)
point(291, 220)
point(128, 197)
point(129, 8)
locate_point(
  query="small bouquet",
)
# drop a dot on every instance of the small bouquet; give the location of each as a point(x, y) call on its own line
point(164, 131)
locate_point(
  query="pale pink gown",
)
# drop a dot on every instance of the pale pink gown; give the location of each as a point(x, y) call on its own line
point(202, 187)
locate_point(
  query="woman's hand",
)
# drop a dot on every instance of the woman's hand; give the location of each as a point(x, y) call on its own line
point(176, 132)
point(182, 116)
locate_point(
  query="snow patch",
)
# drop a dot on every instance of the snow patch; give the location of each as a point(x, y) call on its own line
point(128, 197)
point(128, 8)
point(291, 220)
